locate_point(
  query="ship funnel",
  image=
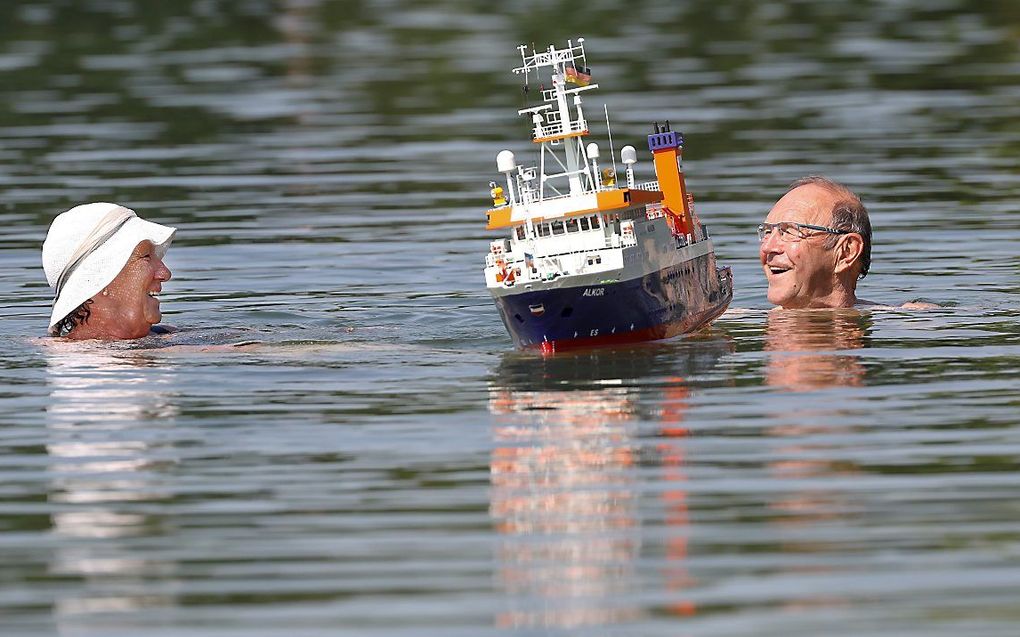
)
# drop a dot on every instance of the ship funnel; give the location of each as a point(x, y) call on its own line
point(666, 147)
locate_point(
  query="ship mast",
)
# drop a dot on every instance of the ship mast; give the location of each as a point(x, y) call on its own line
point(554, 127)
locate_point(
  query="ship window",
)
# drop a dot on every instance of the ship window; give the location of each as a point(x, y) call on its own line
point(572, 225)
point(595, 222)
point(584, 223)
point(543, 229)
point(557, 227)
point(520, 232)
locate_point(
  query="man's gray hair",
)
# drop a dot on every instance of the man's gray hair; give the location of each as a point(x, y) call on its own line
point(848, 213)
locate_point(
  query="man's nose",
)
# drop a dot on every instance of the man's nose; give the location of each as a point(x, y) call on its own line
point(163, 273)
point(770, 243)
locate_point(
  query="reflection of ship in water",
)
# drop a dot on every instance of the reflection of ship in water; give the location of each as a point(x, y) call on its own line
point(565, 494)
point(106, 458)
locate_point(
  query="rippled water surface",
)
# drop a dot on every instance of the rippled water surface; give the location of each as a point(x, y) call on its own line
point(377, 460)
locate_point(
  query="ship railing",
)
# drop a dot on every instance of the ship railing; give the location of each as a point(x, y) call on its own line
point(548, 267)
point(527, 194)
point(549, 94)
point(539, 258)
point(533, 197)
point(565, 173)
point(538, 59)
point(558, 128)
point(648, 185)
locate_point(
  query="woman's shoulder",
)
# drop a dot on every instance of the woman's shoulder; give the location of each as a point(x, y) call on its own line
point(916, 304)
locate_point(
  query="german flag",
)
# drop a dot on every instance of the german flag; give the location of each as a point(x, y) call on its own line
point(580, 77)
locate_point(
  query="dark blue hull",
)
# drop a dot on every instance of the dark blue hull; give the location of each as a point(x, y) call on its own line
point(675, 300)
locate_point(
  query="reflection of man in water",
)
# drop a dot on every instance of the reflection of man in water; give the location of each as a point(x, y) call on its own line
point(810, 350)
point(106, 266)
point(816, 245)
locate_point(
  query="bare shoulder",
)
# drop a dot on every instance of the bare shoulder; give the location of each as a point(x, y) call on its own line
point(185, 348)
point(909, 305)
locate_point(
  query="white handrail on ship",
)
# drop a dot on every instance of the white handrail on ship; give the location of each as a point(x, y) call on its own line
point(549, 94)
point(551, 129)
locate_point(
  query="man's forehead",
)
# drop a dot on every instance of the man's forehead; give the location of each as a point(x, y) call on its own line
point(809, 203)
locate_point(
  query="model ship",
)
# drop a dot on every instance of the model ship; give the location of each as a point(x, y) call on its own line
point(590, 261)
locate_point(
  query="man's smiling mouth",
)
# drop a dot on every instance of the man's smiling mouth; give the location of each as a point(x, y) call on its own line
point(777, 270)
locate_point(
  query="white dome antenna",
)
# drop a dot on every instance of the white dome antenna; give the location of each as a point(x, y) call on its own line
point(506, 164)
point(629, 157)
point(505, 161)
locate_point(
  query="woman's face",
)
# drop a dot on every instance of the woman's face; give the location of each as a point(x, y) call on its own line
point(129, 306)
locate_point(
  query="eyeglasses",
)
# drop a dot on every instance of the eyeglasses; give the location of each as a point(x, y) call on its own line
point(793, 231)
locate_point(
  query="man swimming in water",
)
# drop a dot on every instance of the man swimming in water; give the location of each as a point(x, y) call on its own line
point(815, 246)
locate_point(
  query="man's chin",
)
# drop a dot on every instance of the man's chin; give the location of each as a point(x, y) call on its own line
point(778, 297)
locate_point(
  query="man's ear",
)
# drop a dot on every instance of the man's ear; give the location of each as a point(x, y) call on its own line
point(848, 252)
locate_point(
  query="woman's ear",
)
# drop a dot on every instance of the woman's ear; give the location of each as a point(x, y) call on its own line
point(848, 252)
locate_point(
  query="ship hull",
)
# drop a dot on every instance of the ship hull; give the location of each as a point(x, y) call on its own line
point(674, 300)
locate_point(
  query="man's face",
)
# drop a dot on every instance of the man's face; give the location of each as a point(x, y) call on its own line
point(800, 273)
point(130, 308)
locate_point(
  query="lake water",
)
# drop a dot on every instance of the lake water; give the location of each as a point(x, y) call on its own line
point(382, 462)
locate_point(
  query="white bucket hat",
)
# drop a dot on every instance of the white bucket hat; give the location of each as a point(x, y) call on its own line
point(87, 247)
